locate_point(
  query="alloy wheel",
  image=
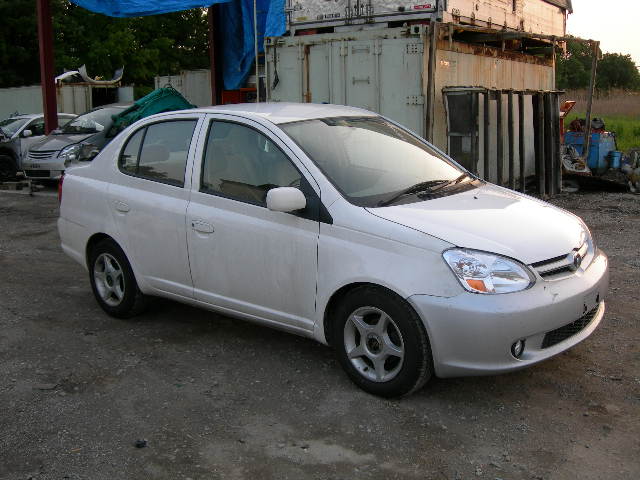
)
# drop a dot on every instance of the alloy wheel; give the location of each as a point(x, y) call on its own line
point(109, 279)
point(373, 343)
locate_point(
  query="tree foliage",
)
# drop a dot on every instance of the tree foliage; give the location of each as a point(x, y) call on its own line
point(615, 70)
point(145, 46)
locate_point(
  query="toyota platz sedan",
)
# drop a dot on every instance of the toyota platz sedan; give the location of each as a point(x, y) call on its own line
point(337, 224)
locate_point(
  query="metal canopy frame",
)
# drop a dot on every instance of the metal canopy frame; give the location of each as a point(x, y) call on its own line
point(546, 125)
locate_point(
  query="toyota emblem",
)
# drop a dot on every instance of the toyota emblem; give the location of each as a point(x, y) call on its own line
point(577, 261)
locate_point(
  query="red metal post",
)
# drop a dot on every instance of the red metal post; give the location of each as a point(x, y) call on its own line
point(212, 54)
point(47, 76)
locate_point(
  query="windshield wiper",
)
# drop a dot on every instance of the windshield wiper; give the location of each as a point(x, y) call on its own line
point(448, 183)
point(417, 188)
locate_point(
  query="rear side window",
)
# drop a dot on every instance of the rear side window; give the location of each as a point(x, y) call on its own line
point(159, 152)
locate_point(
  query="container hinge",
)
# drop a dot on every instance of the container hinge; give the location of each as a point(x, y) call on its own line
point(415, 100)
point(415, 48)
point(344, 50)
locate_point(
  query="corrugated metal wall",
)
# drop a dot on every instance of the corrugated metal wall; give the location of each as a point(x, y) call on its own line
point(459, 64)
point(70, 99)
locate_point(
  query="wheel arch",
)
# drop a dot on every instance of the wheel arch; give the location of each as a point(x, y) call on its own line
point(94, 240)
point(342, 292)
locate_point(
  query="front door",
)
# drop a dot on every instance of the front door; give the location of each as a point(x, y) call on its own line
point(37, 133)
point(245, 257)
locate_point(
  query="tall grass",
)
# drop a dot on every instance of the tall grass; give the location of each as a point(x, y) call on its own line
point(620, 111)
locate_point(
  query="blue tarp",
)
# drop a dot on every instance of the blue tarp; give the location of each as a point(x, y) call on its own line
point(235, 23)
point(141, 8)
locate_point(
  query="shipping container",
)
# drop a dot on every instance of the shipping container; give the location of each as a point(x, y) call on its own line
point(443, 98)
point(533, 16)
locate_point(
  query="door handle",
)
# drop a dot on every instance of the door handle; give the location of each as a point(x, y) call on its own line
point(202, 227)
point(121, 206)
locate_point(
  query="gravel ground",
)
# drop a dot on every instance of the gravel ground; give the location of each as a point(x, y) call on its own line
point(208, 397)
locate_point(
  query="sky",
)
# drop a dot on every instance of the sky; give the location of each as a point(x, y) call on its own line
point(615, 23)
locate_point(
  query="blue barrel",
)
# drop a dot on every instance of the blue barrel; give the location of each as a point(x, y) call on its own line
point(615, 159)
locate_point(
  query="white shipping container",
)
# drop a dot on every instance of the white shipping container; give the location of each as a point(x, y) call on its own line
point(310, 13)
point(534, 16)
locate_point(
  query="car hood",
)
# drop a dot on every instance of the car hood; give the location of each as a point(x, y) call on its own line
point(58, 142)
point(493, 219)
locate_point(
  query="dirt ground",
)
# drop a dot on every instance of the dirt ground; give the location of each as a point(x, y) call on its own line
point(216, 398)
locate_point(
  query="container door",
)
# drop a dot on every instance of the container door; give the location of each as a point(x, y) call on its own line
point(400, 87)
point(361, 75)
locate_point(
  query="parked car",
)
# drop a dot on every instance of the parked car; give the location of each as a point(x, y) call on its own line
point(338, 224)
point(81, 139)
point(17, 134)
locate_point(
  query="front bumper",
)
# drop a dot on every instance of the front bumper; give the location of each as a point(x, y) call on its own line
point(43, 170)
point(472, 334)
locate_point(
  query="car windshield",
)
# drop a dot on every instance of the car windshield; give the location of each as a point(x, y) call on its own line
point(11, 125)
point(92, 122)
point(372, 161)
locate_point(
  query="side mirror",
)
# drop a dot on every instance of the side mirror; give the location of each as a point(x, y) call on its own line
point(26, 133)
point(285, 199)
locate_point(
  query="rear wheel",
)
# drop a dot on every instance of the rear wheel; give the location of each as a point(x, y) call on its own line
point(8, 167)
point(113, 282)
point(381, 343)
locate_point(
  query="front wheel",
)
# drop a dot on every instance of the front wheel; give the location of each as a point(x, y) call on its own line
point(8, 168)
point(113, 282)
point(381, 343)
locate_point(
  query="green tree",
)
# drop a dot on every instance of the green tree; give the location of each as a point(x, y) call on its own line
point(617, 71)
point(573, 69)
point(145, 46)
point(18, 43)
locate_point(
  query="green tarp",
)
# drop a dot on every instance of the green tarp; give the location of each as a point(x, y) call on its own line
point(166, 99)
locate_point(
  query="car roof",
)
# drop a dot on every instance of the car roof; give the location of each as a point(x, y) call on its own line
point(30, 116)
point(284, 112)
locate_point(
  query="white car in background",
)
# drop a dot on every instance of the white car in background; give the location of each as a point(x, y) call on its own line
point(337, 224)
point(17, 134)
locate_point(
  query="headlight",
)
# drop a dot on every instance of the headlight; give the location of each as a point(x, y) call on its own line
point(481, 272)
point(69, 154)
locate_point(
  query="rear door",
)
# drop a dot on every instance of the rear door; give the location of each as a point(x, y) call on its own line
point(149, 200)
point(245, 257)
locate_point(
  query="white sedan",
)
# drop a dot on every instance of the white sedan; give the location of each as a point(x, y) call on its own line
point(337, 224)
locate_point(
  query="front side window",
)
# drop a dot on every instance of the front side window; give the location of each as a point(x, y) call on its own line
point(369, 159)
point(243, 164)
point(36, 127)
point(159, 152)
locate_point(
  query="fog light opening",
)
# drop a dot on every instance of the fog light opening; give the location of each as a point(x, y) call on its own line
point(517, 348)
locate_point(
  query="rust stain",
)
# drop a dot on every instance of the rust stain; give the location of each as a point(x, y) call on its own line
point(485, 51)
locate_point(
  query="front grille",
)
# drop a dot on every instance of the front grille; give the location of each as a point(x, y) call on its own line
point(560, 265)
point(41, 154)
point(38, 173)
point(559, 334)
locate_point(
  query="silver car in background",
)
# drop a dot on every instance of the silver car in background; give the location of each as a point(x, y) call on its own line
point(17, 134)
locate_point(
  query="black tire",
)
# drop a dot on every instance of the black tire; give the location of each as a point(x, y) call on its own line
point(129, 301)
point(8, 168)
point(415, 367)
